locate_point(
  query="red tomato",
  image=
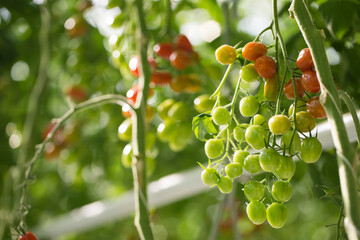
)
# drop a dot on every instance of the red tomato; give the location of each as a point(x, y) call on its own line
point(183, 43)
point(304, 61)
point(289, 89)
point(265, 66)
point(161, 78)
point(180, 59)
point(315, 108)
point(163, 50)
point(76, 93)
point(133, 92)
point(134, 65)
point(253, 50)
point(310, 81)
point(31, 236)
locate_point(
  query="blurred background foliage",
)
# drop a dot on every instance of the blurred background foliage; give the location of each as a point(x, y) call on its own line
point(91, 44)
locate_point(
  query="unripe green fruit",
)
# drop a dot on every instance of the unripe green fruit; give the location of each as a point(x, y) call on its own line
point(221, 116)
point(214, 148)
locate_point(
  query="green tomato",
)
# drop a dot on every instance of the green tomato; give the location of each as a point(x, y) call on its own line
point(248, 73)
point(255, 136)
point(166, 130)
point(270, 89)
point(304, 121)
point(209, 176)
point(203, 103)
point(256, 212)
point(164, 107)
point(296, 143)
point(311, 150)
point(239, 132)
point(239, 156)
point(300, 106)
point(279, 124)
point(282, 191)
point(214, 148)
point(249, 106)
point(259, 120)
point(221, 116)
point(126, 156)
point(233, 170)
point(225, 184)
point(276, 215)
point(125, 130)
point(181, 136)
point(269, 159)
point(179, 111)
point(286, 167)
point(252, 164)
point(254, 191)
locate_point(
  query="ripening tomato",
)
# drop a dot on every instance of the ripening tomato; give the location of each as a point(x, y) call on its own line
point(253, 50)
point(76, 93)
point(310, 82)
point(270, 89)
point(304, 61)
point(225, 54)
point(179, 83)
point(304, 122)
point(289, 89)
point(134, 65)
point(266, 67)
point(315, 108)
point(28, 236)
point(132, 93)
point(163, 50)
point(183, 43)
point(193, 84)
point(125, 110)
point(279, 124)
point(180, 59)
point(160, 78)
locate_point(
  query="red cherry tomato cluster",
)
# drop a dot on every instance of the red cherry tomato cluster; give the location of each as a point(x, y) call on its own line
point(28, 236)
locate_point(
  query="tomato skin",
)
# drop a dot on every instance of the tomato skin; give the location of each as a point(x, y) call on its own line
point(276, 215)
point(23, 237)
point(269, 159)
point(183, 42)
point(252, 164)
point(239, 156)
point(180, 59)
point(160, 78)
point(286, 167)
point(270, 89)
point(209, 176)
point(310, 82)
point(300, 106)
point(304, 122)
point(233, 170)
point(311, 150)
point(239, 132)
point(282, 191)
point(163, 50)
point(253, 50)
point(255, 136)
point(279, 124)
point(203, 103)
point(126, 156)
point(193, 84)
point(134, 65)
point(315, 108)
point(132, 93)
point(225, 54)
point(254, 191)
point(296, 143)
point(256, 212)
point(28, 236)
point(214, 148)
point(76, 93)
point(289, 89)
point(225, 184)
point(125, 130)
point(248, 73)
point(179, 111)
point(260, 120)
point(304, 61)
point(266, 67)
point(221, 116)
point(164, 107)
point(249, 106)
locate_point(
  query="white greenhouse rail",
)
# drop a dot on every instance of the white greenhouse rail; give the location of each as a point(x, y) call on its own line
point(166, 190)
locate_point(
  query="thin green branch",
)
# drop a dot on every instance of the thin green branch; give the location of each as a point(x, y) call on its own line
point(350, 105)
point(217, 91)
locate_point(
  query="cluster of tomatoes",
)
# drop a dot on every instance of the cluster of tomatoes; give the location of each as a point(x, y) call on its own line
point(28, 236)
point(274, 140)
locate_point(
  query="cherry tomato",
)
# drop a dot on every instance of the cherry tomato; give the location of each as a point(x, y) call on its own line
point(179, 111)
point(289, 89)
point(286, 167)
point(125, 130)
point(132, 93)
point(315, 108)
point(239, 156)
point(310, 82)
point(279, 124)
point(269, 160)
point(225, 54)
point(183, 43)
point(28, 236)
point(304, 122)
point(193, 84)
point(304, 61)
point(125, 110)
point(248, 73)
point(296, 143)
point(249, 106)
point(203, 103)
point(160, 78)
point(225, 184)
point(126, 156)
point(276, 215)
point(256, 212)
point(76, 93)
point(255, 136)
point(252, 164)
point(221, 116)
point(209, 176)
point(254, 191)
point(166, 130)
point(282, 191)
point(76, 26)
point(311, 150)
point(270, 89)
point(214, 148)
point(260, 120)
point(233, 170)
point(164, 107)
point(300, 106)
point(163, 50)
point(239, 132)
point(180, 59)
point(59, 135)
point(181, 136)
point(266, 67)
point(253, 50)
point(179, 83)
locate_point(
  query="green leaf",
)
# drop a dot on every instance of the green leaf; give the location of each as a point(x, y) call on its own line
point(203, 127)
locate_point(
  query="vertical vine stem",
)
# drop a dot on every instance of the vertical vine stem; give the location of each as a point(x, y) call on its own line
point(349, 103)
point(142, 219)
point(347, 159)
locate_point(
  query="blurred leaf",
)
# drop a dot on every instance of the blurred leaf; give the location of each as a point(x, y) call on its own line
point(203, 126)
